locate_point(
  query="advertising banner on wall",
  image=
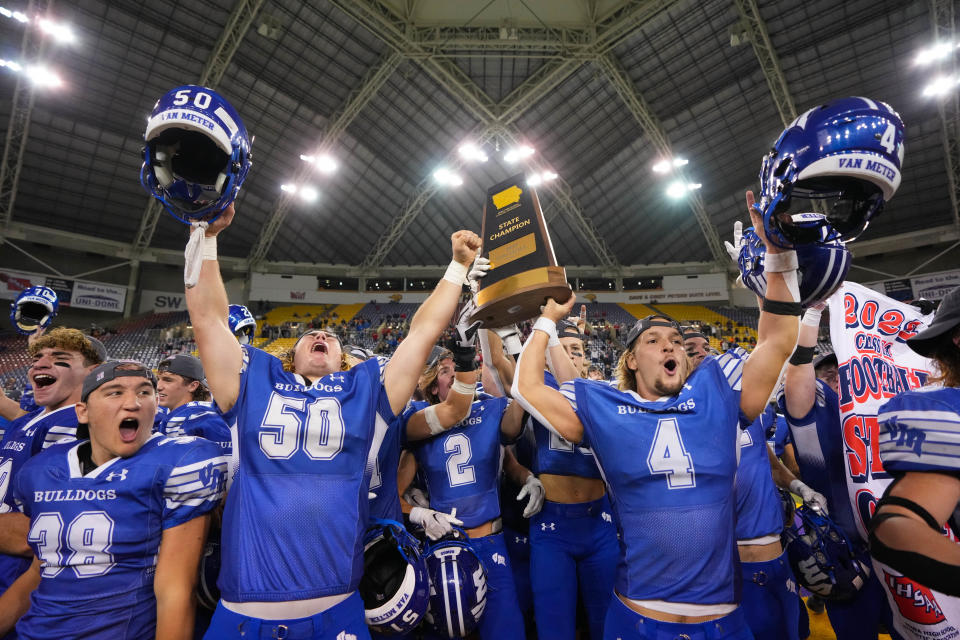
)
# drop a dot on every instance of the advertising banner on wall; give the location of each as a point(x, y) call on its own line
point(104, 297)
point(162, 301)
point(63, 288)
point(936, 285)
point(13, 282)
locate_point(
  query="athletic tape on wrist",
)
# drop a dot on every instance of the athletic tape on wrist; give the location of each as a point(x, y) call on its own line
point(780, 262)
point(549, 327)
point(802, 355)
point(464, 388)
point(456, 273)
point(811, 317)
point(430, 414)
point(781, 308)
point(210, 247)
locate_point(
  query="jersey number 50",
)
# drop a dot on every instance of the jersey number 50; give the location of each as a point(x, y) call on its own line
point(284, 430)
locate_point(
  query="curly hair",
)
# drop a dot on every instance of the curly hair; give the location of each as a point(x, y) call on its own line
point(947, 356)
point(68, 340)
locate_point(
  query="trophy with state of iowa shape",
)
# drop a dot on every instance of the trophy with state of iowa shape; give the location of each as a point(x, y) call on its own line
point(523, 268)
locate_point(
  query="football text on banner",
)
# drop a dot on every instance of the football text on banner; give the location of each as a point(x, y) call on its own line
point(869, 333)
point(105, 297)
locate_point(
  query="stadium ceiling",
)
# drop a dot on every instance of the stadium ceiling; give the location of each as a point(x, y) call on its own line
point(601, 89)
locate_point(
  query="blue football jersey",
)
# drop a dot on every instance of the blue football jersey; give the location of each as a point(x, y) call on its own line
point(818, 442)
point(669, 466)
point(462, 465)
point(778, 434)
point(758, 503)
point(557, 456)
point(297, 506)
point(383, 473)
point(97, 535)
point(200, 419)
point(26, 437)
point(27, 401)
point(920, 431)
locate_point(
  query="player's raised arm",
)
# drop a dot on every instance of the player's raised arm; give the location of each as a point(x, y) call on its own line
point(404, 368)
point(547, 405)
point(778, 324)
point(800, 381)
point(178, 564)
point(208, 306)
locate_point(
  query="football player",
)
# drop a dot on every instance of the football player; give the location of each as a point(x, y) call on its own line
point(61, 360)
point(456, 444)
point(920, 446)
point(573, 541)
point(667, 443)
point(292, 542)
point(117, 522)
point(810, 404)
point(182, 389)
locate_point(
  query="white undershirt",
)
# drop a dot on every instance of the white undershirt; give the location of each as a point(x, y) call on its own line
point(285, 610)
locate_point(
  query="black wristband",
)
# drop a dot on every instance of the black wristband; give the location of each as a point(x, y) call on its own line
point(464, 358)
point(780, 308)
point(802, 355)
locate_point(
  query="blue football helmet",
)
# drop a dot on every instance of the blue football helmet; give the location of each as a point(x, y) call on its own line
point(847, 153)
point(823, 558)
point(241, 323)
point(196, 155)
point(35, 308)
point(822, 266)
point(458, 586)
point(394, 586)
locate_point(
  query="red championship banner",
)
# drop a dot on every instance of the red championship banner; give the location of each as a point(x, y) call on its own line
point(869, 333)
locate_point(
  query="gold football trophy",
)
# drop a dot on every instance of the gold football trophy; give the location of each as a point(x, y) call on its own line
point(523, 268)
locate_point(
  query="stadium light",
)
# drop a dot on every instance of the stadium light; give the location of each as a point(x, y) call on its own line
point(324, 163)
point(518, 153)
point(15, 15)
point(939, 86)
point(43, 76)
point(288, 188)
point(10, 64)
point(308, 194)
point(447, 178)
point(60, 32)
point(669, 164)
point(678, 189)
point(938, 51)
point(470, 151)
point(536, 179)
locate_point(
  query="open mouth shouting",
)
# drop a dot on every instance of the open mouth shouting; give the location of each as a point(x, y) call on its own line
point(671, 366)
point(319, 347)
point(41, 380)
point(128, 429)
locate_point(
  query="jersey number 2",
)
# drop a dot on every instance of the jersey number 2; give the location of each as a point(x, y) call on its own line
point(667, 456)
point(281, 434)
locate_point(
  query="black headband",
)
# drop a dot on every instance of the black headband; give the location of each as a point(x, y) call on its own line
point(651, 321)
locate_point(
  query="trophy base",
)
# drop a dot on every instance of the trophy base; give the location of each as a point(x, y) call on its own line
point(520, 296)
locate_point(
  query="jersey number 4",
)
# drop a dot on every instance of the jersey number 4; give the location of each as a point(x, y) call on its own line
point(667, 456)
point(284, 430)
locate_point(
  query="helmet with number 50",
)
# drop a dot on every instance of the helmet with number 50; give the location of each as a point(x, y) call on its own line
point(846, 153)
point(196, 155)
point(35, 308)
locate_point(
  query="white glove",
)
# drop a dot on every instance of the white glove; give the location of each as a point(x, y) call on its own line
point(467, 331)
point(435, 523)
point(193, 255)
point(809, 496)
point(510, 336)
point(416, 497)
point(533, 488)
point(733, 250)
point(478, 270)
point(371, 495)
